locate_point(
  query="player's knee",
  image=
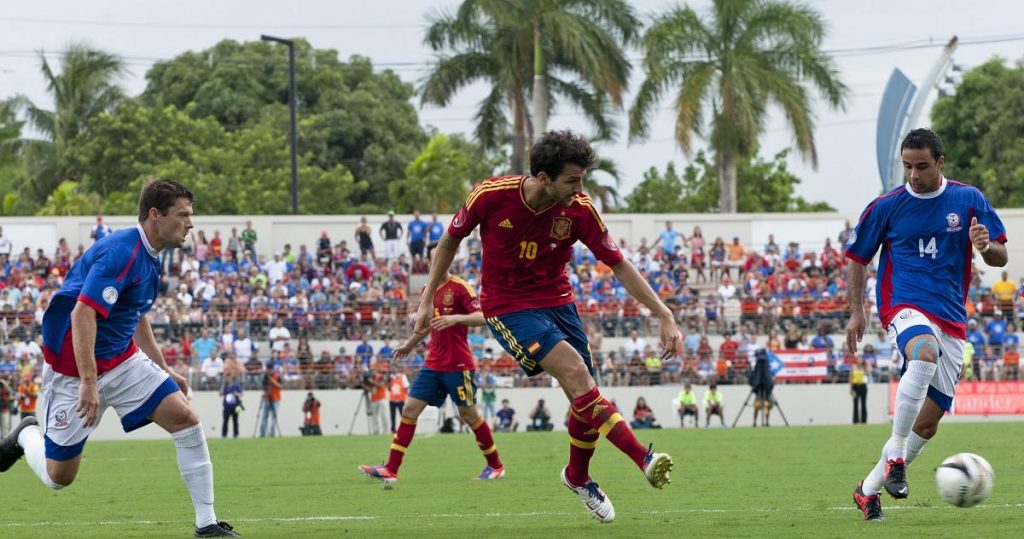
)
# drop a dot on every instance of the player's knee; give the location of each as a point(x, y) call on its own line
point(923, 348)
point(469, 415)
point(926, 431)
point(57, 478)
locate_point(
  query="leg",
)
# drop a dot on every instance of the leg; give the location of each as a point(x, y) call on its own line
point(234, 422)
point(405, 432)
point(176, 416)
point(224, 423)
point(922, 352)
point(484, 439)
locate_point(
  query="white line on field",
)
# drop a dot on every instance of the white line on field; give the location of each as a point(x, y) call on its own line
point(336, 518)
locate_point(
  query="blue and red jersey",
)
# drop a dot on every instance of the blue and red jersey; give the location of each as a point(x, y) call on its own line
point(118, 277)
point(525, 251)
point(926, 251)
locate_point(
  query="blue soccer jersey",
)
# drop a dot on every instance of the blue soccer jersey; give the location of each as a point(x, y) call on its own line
point(118, 277)
point(925, 263)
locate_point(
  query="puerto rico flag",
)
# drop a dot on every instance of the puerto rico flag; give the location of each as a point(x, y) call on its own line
point(798, 365)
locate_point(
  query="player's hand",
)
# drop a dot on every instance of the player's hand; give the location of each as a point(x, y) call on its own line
point(88, 406)
point(182, 383)
point(424, 313)
point(978, 233)
point(401, 353)
point(443, 322)
point(670, 338)
point(854, 331)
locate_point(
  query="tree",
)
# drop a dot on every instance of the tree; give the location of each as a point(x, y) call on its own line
point(68, 199)
point(349, 115)
point(746, 55)
point(440, 177)
point(84, 88)
point(982, 128)
point(508, 44)
point(764, 187)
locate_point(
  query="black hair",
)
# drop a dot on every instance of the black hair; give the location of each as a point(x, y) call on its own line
point(922, 138)
point(161, 194)
point(555, 149)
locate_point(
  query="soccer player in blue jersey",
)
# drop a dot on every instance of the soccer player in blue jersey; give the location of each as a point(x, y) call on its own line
point(100, 351)
point(927, 230)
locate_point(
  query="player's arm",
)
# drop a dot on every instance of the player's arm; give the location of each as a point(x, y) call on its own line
point(639, 288)
point(444, 322)
point(83, 331)
point(855, 283)
point(993, 252)
point(444, 254)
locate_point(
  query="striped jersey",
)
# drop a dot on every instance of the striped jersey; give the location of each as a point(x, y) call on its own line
point(926, 252)
point(525, 251)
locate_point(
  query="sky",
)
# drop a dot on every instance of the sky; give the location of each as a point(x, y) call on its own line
point(390, 33)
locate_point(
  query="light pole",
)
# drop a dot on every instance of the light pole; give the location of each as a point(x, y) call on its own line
point(292, 109)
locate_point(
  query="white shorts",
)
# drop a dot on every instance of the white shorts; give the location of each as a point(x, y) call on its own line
point(134, 388)
point(392, 249)
point(910, 323)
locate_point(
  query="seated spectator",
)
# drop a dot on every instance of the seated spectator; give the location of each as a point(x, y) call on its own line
point(505, 420)
point(687, 406)
point(714, 405)
point(643, 416)
point(212, 370)
point(1011, 364)
point(989, 367)
point(540, 418)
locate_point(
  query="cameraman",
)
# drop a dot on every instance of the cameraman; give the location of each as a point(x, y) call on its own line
point(540, 418)
point(231, 393)
point(311, 416)
point(271, 401)
point(762, 384)
point(376, 388)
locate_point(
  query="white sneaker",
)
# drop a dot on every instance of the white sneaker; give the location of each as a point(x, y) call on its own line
point(594, 499)
point(656, 468)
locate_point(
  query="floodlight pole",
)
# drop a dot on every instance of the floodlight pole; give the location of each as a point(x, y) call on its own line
point(292, 110)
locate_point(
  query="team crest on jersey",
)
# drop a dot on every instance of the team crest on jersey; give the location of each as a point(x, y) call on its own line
point(560, 228)
point(449, 297)
point(110, 295)
point(459, 218)
point(953, 222)
point(852, 239)
point(61, 419)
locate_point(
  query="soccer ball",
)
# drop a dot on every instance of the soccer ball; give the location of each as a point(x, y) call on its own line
point(964, 480)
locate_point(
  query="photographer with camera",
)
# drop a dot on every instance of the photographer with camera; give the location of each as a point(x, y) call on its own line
point(540, 418)
point(231, 398)
point(311, 416)
point(375, 386)
point(270, 401)
point(762, 383)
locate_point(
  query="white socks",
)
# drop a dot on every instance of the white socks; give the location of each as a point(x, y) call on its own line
point(31, 441)
point(910, 394)
point(197, 471)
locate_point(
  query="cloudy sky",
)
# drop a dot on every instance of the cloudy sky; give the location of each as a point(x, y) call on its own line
point(390, 32)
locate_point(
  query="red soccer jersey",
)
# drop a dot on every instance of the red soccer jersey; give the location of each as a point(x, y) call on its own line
point(448, 350)
point(525, 251)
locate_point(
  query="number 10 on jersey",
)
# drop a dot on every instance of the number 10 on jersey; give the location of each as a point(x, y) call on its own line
point(928, 249)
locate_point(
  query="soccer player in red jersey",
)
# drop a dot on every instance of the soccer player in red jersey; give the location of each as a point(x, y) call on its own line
point(448, 371)
point(528, 225)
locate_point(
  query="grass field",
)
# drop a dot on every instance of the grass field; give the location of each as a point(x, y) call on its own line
point(777, 482)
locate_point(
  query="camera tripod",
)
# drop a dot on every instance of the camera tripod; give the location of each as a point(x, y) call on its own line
point(364, 402)
point(259, 419)
point(769, 398)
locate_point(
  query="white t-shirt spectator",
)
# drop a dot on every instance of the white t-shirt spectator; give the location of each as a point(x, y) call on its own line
point(5, 246)
point(212, 367)
point(243, 349)
point(278, 337)
point(276, 270)
point(29, 348)
point(727, 291)
point(629, 346)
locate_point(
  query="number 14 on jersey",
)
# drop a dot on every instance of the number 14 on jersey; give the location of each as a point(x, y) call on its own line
point(929, 249)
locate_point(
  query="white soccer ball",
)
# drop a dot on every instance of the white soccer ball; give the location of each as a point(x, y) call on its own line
point(964, 480)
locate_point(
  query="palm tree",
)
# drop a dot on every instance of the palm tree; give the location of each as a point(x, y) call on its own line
point(746, 55)
point(82, 89)
point(505, 43)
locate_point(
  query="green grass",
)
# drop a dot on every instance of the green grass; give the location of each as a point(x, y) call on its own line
point(777, 482)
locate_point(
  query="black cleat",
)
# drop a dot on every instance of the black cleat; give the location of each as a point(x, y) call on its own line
point(217, 529)
point(10, 451)
point(896, 478)
point(870, 505)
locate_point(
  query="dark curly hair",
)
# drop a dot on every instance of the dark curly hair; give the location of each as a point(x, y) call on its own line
point(922, 138)
point(555, 149)
point(161, 194)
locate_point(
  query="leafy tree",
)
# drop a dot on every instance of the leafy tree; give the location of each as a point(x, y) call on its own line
point(765, 187)
point(441, 175)
point(570, 49)
point(349, 115)
point(84, 88)
point(982, 128)
point(68, 199)
point(746, 55)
